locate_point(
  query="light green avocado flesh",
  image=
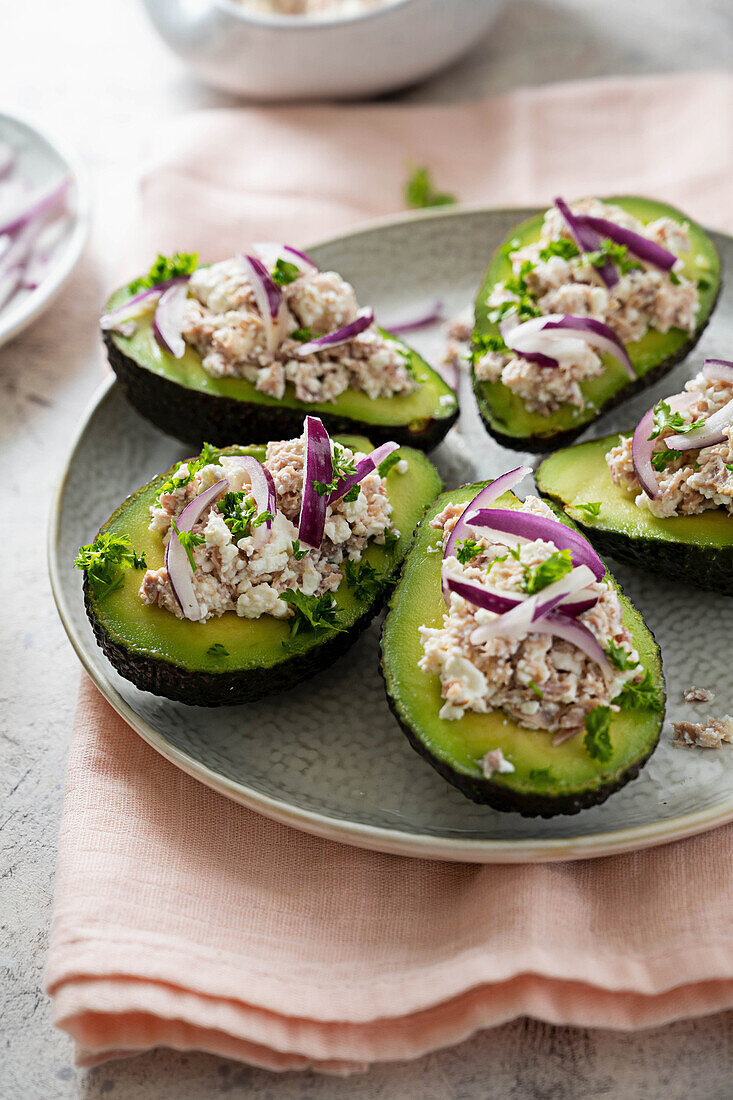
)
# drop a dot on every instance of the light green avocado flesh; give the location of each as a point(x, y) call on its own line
point(432, 400)
point(508, 412)
point(460, 745)
point(580, 475)
point(250, 643)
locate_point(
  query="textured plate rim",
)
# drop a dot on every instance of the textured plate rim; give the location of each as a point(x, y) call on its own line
point(357, 834)
point(48, 291)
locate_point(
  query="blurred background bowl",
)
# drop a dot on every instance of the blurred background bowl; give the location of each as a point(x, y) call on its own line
point(269, 57)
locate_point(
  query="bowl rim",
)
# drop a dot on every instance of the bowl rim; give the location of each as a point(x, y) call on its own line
point(307, 22)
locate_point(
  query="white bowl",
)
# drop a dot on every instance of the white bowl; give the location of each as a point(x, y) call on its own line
point(268, 57)
point(41, 162)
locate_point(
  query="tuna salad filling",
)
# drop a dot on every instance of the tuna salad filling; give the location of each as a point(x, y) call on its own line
point(306, 330)
point(245, 552)
point(679, 461)
point(558, 277)
point(501, 644)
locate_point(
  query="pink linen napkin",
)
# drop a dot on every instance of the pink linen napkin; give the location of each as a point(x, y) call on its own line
point(187, 921)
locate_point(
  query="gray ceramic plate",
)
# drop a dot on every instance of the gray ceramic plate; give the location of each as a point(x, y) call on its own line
point(328, 757)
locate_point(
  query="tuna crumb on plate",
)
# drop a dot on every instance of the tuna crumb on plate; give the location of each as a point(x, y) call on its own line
point(703, 735)
point(699, 695)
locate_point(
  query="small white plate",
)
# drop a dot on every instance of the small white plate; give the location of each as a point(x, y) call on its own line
point(41, 162)
point(328, 757)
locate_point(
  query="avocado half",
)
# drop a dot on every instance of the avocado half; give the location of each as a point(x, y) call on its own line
point(173, 657)
point(548, 779)
point(695, 549)
point(505, 415)
point(184, 401)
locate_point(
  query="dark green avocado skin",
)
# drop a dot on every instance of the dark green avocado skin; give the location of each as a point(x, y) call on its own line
point(211, 689)
point(709, 567)
point(196, 418)
point(542, 444)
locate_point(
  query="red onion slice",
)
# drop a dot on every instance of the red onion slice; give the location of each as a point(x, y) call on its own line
point(177, 564)
point(646, 250)
point(718, 370)
point(642, 447)
point(264, 493)
point(318, 466)
point(527, 525)
point(500, 485)
point(592, 332)
point(587, 240)
point(168, 319)
point(495, 599)
point(709, 434)
point(578, 635)
point(268, 297)
point(521, 619)
point(138, 305)
point(363, 320)
point(39, 204)
point(270, 252)
point(430, 316)
point(364, 467)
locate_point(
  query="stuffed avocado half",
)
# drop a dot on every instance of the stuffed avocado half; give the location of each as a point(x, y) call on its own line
point(501, 755)
point(278, 620)
point(570, 320)
point(246, 348)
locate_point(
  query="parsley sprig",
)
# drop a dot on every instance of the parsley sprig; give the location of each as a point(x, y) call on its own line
point(639, 696)
point(484, 343)
point(298, 554)
point(555, 567)
point(106, 560)
point(564, 248)
point(363, 579)
point(284, 273)
point(164, 268)
point(467, 549)
point(209, 456)
point(665, 418)
point(597, 738)
point(620, 657)
point(617, 254)
point(661, 459)
point(188, 540)
point(343, 466)
point(240, 514)
point(313, 614)
point(421, 192)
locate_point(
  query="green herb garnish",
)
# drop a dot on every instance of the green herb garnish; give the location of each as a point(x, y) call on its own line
point(564, 248)
point(620, 657)
point(483, 344)
point(302, 335)
point(343, 466)
point(188, 540)
point(363, 579)
point(164, 268)
point(674, 278)
point(555, 567)
point(217, 650)
point(209, 456)
point(661, 459)
point(298, 554)
point(593, 507)
point(240, 514)
point(284, 273)
point(537, 691)
point(541, 775)
point(313, 614)
point(390, 461)
point(618, 254)
point(468, 549)
point(665, 418)
point(106, 560)
point(420, 192)
point(597, 738)
point(641, 696)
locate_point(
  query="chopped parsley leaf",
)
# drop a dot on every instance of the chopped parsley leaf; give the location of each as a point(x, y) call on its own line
point(217, 650)
point(564, 248)
point(620, 657)
point(661, 459)
point(617, 254)
point(209, 456)
point(511, 246)
point(482, 344)
point(240, 514)
point(420, 191)
point(312, 613)
point(593, 507)
point(363, 579)
point(538, 691)
point(512, 552)
point(555, 567)
point(665, 418)
point(468, 549)
point(517, 282)
point(597, 738)
point(541, 775)
point(343, 466)
point(703, 283)
point(391, 460)
point(284, 273)
point(302, 335)
point(106, 560)
point(525, 308)
point(298, 554)
point(641, 696)
point(674, 278)
point(164, 268)
point(188, 540)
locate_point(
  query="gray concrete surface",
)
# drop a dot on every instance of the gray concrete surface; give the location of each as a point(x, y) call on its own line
point(91, 72)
